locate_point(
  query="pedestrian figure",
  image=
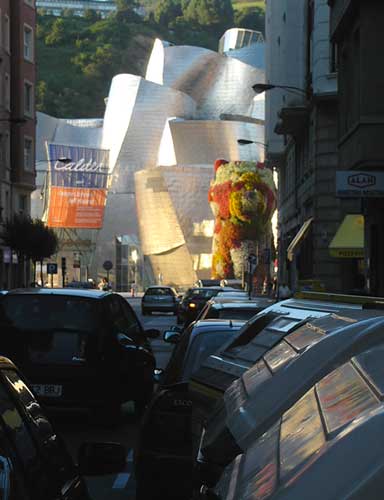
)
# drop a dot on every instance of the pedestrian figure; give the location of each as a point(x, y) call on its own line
point(104, 285)
point(133, 289)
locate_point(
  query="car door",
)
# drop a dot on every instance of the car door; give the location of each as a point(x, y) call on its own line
point(40, 452)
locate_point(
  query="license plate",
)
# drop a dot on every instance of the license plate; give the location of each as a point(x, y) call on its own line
point(48, 390)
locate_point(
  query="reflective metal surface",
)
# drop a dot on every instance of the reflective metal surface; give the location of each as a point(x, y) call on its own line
point(169, 122)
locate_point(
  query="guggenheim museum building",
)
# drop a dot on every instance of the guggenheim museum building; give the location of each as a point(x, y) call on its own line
point(163, 133)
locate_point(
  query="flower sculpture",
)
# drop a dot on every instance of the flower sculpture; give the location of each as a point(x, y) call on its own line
point(243, 198)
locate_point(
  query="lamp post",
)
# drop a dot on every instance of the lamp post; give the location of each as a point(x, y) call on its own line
point(263, 87)
point(245, 142)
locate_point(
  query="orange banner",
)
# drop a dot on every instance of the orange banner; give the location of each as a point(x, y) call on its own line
point(76, 207)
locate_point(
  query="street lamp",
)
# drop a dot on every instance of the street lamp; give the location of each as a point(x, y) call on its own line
point(245, 142)
point(263, 87)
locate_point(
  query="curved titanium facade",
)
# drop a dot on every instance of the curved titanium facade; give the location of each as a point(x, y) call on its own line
point(164, 133)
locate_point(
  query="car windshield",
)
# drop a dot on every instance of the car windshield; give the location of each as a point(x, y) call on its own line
point(231, 313)
point(201, 347)
point(159, 291)
point(49, 312)
point(201, 293)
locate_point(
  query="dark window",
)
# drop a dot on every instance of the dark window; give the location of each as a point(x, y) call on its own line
point(174, 368)
point(202, 346)
point(160, 291)
point(46, 312)
point(237, 313)
point(122, 318)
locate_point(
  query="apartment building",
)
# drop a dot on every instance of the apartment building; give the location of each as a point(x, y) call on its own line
point(302, 138)
point(17, 120)
point(356, 31)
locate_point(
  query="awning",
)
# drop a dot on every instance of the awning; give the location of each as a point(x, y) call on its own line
point(298, 238)
point(348, 242)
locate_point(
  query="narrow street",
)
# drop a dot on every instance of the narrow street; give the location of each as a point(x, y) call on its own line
point(78, 427)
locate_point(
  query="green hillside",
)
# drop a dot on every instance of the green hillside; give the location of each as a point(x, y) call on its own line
point(78, 56)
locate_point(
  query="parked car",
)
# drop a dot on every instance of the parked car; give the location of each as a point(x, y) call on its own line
point(192, 303)
point(229, 308)
point(159, 299)
point(158, 432)
point(260, 348)
point(34, 463)
point(318, 412)
point(233, 283)
point(88, 285)
point(78, 348)
point(207, 283)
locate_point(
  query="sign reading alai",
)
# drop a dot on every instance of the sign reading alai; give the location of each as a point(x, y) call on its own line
point(359, 184)
point(77, 186)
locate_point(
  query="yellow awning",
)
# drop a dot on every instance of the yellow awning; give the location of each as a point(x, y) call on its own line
point(348, 242)
point(298, 238)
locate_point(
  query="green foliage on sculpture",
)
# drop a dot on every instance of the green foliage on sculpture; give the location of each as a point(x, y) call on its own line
point(243, 198)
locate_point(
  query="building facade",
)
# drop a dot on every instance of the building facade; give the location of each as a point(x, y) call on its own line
point(302, 133)
point(78, 7)
point(356, 32)
point(17, 121)
point(163, 133)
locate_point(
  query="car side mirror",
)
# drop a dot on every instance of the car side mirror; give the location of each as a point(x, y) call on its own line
point(176, 328)
point(124, 340)
point(157, 375)
point(101, 458)
point(171, 336)
point(152, 333)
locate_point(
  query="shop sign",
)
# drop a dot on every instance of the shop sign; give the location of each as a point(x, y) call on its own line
point(355, 184)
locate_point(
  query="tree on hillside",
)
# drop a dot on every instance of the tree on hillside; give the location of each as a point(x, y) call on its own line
point(57, 33)
point(167, 11)
point(250, 18)
point(209, 13)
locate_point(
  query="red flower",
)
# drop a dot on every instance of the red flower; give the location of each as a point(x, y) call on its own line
point(218, 163)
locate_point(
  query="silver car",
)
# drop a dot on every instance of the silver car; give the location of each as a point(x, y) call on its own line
point(159, 299)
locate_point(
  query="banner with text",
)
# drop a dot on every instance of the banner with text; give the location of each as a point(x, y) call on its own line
point(78, 182)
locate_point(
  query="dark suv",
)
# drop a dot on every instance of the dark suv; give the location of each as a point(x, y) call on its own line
point(78, 348)
point(34, 463)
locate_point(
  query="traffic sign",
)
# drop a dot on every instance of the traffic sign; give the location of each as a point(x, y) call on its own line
point(52, 268)
point(107, 265)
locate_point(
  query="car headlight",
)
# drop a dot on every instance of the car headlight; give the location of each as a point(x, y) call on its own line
point(192, 305)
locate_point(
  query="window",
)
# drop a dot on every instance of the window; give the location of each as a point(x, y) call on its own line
point(7, 92)
point(22, 203)
point(28, 43)
point(28, 154)
point(31, 3)
point(28, 98)
point(6, 34)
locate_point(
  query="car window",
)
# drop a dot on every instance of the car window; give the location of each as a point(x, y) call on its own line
point(201, 294)
point(160, 291)
point(57, 462)
point(132, 323)
point(236, 313)
point(201, 347)
point(47, 312)
point(121, 318)
point(175, 364)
